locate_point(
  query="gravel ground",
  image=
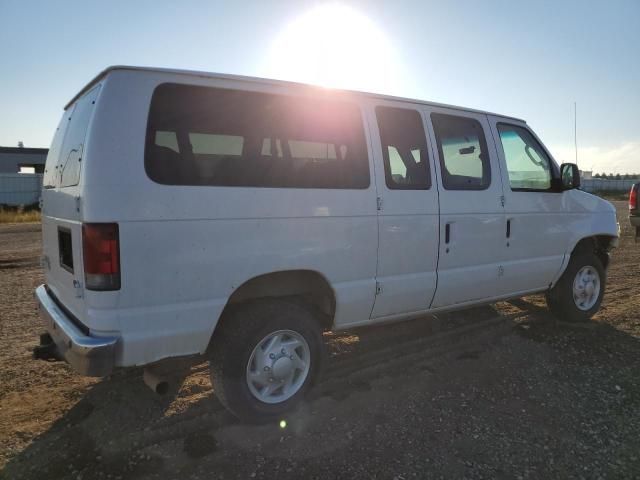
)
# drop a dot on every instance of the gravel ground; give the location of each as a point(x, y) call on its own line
point(496, 392)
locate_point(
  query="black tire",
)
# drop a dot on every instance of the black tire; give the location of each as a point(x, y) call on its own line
point(242, 328)
point(560, 298)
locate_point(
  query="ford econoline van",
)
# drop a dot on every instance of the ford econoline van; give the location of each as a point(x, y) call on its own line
point(235, 219)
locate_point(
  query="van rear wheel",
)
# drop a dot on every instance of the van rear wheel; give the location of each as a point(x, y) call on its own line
point(578, 294)
point(264, 357)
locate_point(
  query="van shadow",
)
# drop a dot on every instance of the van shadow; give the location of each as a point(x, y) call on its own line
point(108, 432)
point(115, 429)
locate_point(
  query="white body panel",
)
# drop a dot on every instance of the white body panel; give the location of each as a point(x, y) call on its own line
point(184, 250)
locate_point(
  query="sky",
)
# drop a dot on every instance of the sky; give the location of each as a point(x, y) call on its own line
point(531, 59)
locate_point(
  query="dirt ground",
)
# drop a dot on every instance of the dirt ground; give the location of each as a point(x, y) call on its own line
point(496, 392)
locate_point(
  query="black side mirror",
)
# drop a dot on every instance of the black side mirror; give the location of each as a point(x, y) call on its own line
point(569, 176)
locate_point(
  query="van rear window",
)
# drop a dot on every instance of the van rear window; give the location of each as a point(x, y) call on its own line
point(64, 161)
point(220, 137)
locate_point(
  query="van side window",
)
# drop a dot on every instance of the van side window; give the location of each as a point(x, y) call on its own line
point(220, 137)
point(167, 140)
point(528, 164)
point(404, 148)
point(208, 144)
point(464, 157)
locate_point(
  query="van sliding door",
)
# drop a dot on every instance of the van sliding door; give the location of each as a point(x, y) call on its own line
point(407, 210)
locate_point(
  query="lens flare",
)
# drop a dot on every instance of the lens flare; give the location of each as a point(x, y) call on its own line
point(334, 45)
point(283, 424)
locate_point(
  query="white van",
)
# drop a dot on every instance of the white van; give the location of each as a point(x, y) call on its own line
point(197, 214)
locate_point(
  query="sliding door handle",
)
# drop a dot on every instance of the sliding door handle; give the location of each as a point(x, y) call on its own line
point(447, 233)
point(509, 228)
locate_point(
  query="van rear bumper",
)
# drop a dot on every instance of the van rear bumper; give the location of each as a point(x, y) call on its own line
point(88, 355)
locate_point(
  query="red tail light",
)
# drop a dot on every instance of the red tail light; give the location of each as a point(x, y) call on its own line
point(101, 253)
point(633, 197)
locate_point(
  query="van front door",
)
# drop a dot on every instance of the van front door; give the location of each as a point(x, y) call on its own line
point(407, 210)
point(539, 223)
point(472, 220)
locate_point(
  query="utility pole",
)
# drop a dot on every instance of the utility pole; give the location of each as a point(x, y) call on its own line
point(575, 128)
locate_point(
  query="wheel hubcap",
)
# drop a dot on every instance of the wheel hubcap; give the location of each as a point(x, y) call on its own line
point(278, 366)
point(282, 368)
point(586, 288)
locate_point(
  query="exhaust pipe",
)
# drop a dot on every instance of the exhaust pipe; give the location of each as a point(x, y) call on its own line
point(155, 381)
point(164, 374)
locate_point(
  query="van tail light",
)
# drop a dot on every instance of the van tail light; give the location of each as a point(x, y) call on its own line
point(633, 197)
point(101, 253)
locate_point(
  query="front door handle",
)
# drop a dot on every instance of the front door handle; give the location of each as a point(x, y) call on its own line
point(509, 228)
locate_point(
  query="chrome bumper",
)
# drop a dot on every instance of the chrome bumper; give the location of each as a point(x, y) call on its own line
point(88, 355)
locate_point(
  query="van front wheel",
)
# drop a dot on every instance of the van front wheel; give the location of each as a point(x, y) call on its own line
point(578, 294)
point(265, 356)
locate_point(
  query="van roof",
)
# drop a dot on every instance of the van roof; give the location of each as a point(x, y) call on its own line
point(266, 81)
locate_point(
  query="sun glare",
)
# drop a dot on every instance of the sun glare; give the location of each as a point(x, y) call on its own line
point(334, 46)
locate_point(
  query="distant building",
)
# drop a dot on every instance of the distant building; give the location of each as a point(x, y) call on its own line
point(586, 174)
point(27, 160)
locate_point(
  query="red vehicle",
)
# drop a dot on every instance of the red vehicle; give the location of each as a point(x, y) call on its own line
point(634, 208)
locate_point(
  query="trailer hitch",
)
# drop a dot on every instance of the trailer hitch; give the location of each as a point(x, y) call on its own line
point(47, 349)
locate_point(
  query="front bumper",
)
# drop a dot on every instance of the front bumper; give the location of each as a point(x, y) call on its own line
point(88, 355)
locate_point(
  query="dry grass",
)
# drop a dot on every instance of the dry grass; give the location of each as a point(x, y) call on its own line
point(13, 215)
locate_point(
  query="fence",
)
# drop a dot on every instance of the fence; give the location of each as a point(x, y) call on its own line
point(600, 184)
point(20, 188)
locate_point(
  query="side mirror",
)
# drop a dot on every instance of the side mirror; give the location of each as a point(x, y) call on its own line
point(569, 176)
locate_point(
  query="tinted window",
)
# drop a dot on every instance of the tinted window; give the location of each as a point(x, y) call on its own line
point(404, 148)
point(210, 136)
point(464, 157)
point(528, 165)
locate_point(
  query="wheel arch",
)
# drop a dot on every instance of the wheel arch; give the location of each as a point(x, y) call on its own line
point(600, 244)
point(308, 286)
